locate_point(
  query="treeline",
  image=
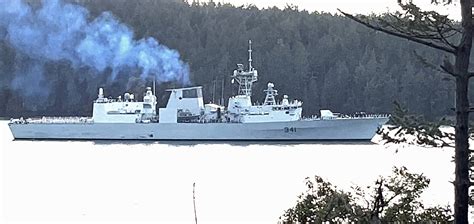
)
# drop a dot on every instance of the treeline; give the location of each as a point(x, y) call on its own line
point(325, 60)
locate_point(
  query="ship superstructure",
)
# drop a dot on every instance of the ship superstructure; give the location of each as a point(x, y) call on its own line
point(124, 110)
point(187, 117)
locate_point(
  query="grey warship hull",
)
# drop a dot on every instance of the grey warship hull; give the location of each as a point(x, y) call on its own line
point(317, 129)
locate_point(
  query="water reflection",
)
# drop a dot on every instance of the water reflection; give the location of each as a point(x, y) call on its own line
point(208, 142)
point(227, 142)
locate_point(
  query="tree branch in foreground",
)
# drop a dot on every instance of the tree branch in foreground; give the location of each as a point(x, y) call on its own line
point(397, 34)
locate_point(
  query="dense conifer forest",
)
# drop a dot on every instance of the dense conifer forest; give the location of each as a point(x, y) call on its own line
point(325, 60)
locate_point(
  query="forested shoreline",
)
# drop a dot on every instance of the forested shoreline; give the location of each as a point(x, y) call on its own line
point(325, 60)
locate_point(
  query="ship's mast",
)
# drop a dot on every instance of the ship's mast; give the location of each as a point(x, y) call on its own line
point(245, 79)
point(154, 85)
point(222, 92)
point(250, 55)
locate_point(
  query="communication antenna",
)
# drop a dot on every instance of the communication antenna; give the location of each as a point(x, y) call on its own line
point(214, 90)
point(250, 55)
point(222, 92)
point(154, 85)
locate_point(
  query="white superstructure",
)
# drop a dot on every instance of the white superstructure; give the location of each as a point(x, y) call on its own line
point(125, 110)
point(186, 117)
point(184, 103)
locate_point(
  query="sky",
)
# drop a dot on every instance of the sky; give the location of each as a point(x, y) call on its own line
point(352, 6)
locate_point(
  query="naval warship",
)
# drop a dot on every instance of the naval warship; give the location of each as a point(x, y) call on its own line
point(186, 117)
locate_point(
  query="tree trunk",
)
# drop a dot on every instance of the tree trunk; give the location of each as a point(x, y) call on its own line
point(461, 157)
point(461, 183)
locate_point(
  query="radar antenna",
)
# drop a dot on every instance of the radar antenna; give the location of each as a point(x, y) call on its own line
point(271, 93)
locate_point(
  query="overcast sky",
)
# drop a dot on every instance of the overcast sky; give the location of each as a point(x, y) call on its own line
point(353, 6)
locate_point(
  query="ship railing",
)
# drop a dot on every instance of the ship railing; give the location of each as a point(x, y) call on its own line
point(364, 116)
point(350, 116)
point(53, 120)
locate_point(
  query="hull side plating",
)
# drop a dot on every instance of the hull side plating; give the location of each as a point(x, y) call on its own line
point(336, 129)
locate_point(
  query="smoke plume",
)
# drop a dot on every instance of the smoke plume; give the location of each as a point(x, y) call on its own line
point(61, 31)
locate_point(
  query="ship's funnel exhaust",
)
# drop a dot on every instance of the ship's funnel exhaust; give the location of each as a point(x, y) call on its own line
point(59, 31)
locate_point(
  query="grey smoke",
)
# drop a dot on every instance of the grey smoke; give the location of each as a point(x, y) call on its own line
point(61, 31)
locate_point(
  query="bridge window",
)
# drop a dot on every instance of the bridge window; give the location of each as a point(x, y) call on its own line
point(192, 93)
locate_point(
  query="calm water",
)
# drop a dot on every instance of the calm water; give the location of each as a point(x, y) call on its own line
point(95, 182)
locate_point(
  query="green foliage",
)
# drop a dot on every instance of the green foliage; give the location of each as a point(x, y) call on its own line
point(321, 202)
point(422, 24)
point(393, 199)
point(403, 125)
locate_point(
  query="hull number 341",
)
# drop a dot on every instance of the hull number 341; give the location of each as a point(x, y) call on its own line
point(289, 129)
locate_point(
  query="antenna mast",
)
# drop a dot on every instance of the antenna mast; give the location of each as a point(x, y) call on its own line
point(250, 55)
point(214, 90)
point(154, 85)
point(222, 92)
point(245, 79)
